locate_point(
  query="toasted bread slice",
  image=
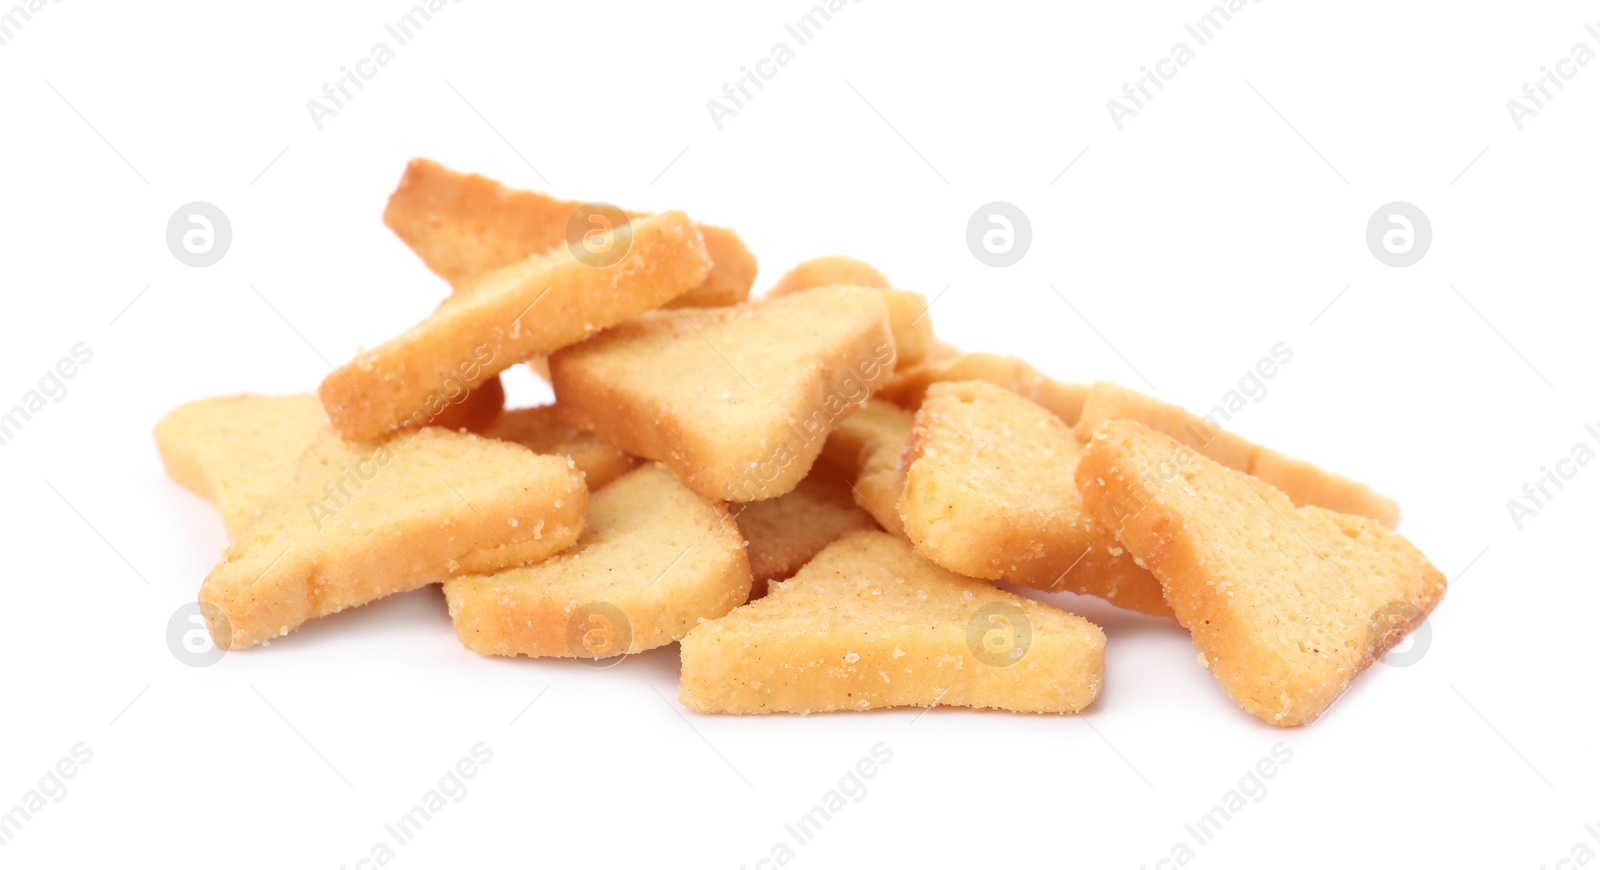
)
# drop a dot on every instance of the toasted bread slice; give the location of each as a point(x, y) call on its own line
point(244, 454)
point(1304, 483)
point(238, 452)
point(1286, 604)
point(654, 561)
point(829, 272)
point(737, 401)
point(868, 624)
point(529, 308)
point(990, 493)
point(359, 522)
point(466, 226)
point(545, 430)
point(783, 533)
point(908, 312)
point(868, 445)
point(1062, 399)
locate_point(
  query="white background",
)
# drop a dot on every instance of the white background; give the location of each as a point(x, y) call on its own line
point(1170, 257)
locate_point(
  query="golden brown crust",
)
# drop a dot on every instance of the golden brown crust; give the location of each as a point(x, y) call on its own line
point(945, 364)
point(869, 624)
point(1286, 604)
point(990, 493)
point(1304, 483)
point(738, 401)
point(733, 271)
point(655, 560)
point(464, 226)
point(476, 335)
point(829, 272)
point(359, 522)
point(908, 312)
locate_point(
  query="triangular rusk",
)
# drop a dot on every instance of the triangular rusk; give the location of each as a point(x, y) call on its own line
point(655, 560)
point(1304, 483)
point(358, 522)
point(990, 493)
point(1286, 604)
point(238, 451)
point(908, 311)
point(868, 623)
point(738, 401)
point(510, 315)
point(465, 226)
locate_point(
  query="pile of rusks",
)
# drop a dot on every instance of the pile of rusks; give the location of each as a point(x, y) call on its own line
point(808, 491)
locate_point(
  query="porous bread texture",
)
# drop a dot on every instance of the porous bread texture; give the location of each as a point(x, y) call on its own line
point(868, 623)
point(910, 384)
point(530, 307)
point(868, 446)
point(829, 272)
point(738, 401)
point(1302, 482)
point(359, 522)
point(781, 534)
point(238, 452)
point(1286, 604)
point(545, 429)
point(466, 226)
point(654, 561)
point(990, 493)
